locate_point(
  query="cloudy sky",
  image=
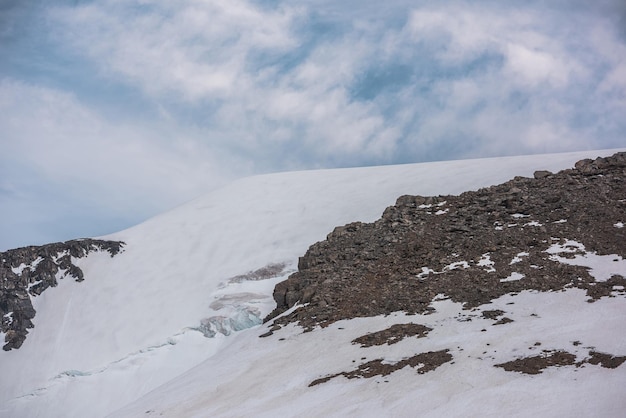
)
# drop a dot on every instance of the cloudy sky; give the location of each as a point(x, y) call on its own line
point(112, 111)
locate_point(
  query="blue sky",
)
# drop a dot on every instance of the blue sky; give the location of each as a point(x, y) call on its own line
point(113, 111)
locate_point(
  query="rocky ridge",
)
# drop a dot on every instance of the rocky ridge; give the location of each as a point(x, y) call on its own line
point(526, 234)
point(27, 272)
point(470, 248)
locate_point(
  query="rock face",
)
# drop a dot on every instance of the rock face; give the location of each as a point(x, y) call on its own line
point(422, 362)
point(554, 358)
point(528, 233)
point(27, 272)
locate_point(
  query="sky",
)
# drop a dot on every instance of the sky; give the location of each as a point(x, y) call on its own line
point(113, 111)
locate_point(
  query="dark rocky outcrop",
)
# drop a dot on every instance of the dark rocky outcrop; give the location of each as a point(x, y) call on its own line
point(392, 335)
point(470, 248)
point(422, 362)
point(27, 272)
point(536, 364)
point(558, 358)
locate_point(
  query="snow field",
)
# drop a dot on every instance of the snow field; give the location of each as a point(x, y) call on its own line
point(272, 374)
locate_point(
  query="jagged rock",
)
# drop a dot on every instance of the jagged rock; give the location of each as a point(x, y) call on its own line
point(392, 335)
point(536, 364)
point(423, 363)
point(539, 174)
point(559, 358)
point(27, 272)
point(472, 248)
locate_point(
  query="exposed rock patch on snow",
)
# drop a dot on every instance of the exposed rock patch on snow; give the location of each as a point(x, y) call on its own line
point(422, 363)
point(27, 272)
point(555, 358)
point(392, 335)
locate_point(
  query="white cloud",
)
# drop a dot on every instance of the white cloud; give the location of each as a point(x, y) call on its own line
point(539, 77)
point(534, 67)
point(270, 83)
point(524, 39)
point(129, 170)
point(195, 48)
point(229, 53)
point(232, 87)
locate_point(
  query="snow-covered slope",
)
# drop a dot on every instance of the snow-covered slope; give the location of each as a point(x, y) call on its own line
point(269, 377)
point(155, 311)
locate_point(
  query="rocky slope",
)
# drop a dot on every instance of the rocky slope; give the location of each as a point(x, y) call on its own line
point(27, 272)
point(525, 234)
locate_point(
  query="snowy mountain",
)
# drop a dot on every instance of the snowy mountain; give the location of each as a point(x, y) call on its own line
point(170, 325)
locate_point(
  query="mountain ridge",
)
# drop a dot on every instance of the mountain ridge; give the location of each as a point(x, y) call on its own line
point(144, 334)
point(420, 239)
point(28, 271)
